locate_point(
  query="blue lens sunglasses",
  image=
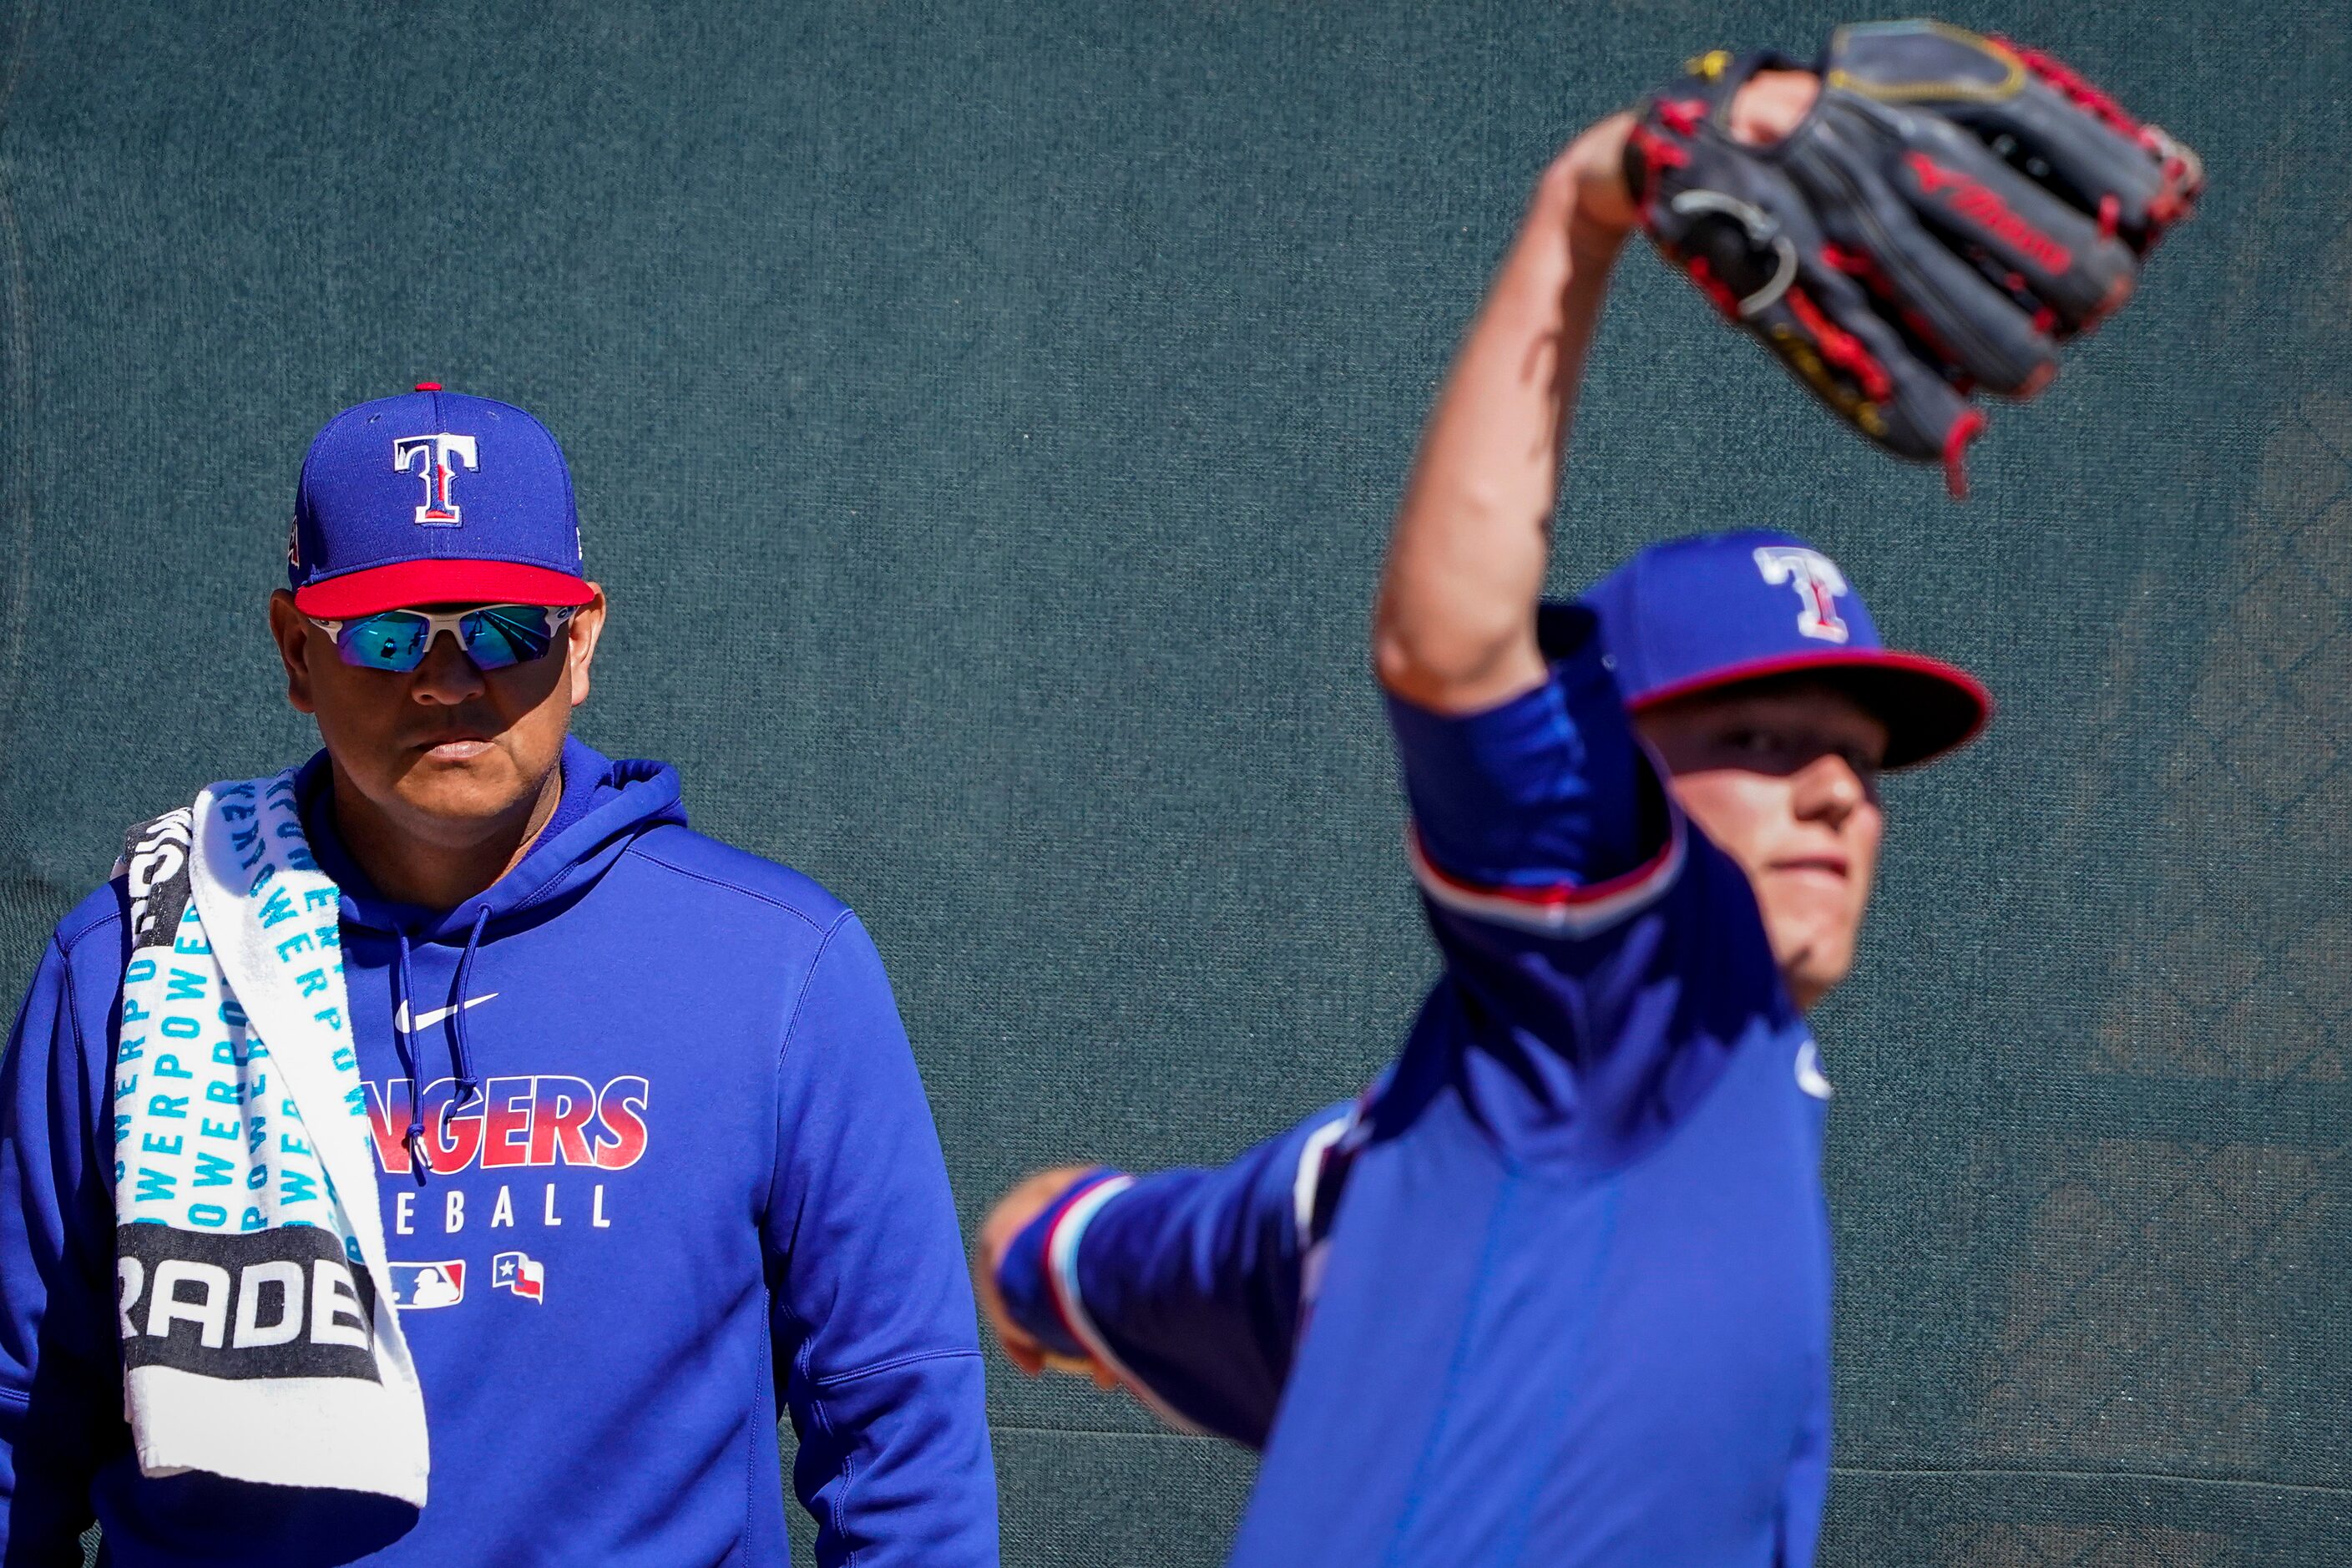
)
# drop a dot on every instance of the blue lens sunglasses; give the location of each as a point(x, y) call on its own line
point(495, 637)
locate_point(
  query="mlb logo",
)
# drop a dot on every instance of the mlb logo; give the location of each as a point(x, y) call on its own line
point(519, 1273)
point(417, 1286)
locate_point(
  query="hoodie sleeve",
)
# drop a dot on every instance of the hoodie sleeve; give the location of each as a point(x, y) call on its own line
point(1189, 1284)
point(877, 1338)
point(60, 1386)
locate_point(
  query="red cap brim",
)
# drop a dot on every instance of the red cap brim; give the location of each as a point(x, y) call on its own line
point(1930, 708)
point(405, 584)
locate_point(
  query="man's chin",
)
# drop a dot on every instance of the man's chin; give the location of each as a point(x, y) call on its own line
point(1815, 964)
point(455, 786)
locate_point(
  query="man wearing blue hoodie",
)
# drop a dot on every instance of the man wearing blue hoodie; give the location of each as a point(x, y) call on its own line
point(654, 1163)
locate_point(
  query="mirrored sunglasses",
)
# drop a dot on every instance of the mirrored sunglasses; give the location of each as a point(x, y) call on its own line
point(493, 635)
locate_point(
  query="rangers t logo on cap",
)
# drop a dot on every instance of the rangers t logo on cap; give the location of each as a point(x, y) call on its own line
point(1818, 581)
point(438, 511)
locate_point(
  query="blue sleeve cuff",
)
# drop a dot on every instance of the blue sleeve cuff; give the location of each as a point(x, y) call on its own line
point(1039, 1278)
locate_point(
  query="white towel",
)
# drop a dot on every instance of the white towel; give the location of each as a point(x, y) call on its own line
point(259, 1338)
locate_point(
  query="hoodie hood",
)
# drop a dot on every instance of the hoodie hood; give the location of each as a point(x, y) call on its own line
point(605, 804)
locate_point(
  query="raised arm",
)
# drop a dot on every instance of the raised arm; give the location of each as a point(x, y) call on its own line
point(1454, 629)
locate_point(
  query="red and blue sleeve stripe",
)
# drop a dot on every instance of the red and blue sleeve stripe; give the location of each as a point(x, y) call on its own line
point(1559, 908)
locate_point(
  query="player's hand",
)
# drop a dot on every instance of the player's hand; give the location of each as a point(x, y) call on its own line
point(1011, 1215)
point(1767, 108)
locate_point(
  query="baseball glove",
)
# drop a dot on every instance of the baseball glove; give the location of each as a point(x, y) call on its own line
point(1952, 209)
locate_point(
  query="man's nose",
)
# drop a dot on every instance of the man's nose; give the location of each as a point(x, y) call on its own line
point(1829, 789)
point(446, 675)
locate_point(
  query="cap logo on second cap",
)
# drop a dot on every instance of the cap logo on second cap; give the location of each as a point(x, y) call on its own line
point(442, 452)
point(1819, 585)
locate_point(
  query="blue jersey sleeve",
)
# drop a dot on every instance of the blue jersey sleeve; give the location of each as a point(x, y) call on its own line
point(1189, 1284)
point(61, 1382)
point(876, 1339)
point(1590, 935)
point(1544, 812)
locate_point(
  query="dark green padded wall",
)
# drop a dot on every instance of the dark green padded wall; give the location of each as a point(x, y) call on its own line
point(986, 418)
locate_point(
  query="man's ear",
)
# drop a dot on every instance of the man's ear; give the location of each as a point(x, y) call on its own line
point(291, 632)
point(580, 642)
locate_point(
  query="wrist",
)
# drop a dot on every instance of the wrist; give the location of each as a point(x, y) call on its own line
point(1587, 182)
point(1025, 1273)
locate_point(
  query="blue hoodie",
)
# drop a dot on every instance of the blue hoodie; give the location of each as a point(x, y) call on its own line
point(697, 1183)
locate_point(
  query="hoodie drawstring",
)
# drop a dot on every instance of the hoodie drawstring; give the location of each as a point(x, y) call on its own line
point(404, 1039)
point(461, 1050)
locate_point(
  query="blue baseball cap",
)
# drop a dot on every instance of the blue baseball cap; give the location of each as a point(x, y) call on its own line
point(432, 498)
point(1716, 610)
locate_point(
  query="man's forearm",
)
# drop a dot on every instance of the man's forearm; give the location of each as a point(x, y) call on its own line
point(1184, 1285)
point(1455, 627)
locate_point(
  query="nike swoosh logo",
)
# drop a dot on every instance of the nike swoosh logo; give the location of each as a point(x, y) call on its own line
point(1809, 1071)
point(425, 1020)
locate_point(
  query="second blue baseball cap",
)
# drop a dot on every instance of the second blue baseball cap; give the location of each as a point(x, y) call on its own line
point(1712, 611)
point(429, 498)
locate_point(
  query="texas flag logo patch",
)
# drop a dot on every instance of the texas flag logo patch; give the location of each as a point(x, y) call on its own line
point(521, 1273)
